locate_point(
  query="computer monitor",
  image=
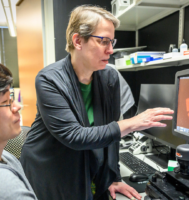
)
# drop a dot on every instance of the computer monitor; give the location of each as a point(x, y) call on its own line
point(181, 107)
point(159, 95)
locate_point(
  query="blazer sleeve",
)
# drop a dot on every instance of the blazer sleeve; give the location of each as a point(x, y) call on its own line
point(61, 122)
point(118, 175)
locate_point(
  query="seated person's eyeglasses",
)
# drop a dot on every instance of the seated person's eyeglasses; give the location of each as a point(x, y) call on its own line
point(11, 100)
point(105, 41)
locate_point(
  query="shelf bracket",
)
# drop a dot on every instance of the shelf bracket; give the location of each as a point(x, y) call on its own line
point(181, 26)
point(136, 38)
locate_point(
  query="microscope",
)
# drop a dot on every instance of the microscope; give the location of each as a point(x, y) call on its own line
point(172, 185)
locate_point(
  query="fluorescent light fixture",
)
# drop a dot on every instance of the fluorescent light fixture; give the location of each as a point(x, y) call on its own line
point(9, 17)
point(6, 3)
point(13, 9)
point(10, 22)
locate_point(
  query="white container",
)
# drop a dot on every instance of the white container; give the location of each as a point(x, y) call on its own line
point(183, 47)
point(122, 62)
point(175, 50)
point(118, 5)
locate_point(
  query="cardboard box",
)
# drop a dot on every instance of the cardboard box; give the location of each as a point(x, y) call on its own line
point(171, 55)
point(186, 53)
point(138, 57)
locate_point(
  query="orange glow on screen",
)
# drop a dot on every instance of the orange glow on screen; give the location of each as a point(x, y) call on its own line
point(183, 103)
point(187, 106)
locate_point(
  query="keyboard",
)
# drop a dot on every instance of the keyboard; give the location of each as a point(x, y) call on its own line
point(135, 164)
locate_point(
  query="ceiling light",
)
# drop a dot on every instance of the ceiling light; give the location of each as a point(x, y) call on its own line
point(6, 2)
point(9, 17)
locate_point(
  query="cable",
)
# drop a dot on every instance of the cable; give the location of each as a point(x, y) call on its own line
point(156, 147)
point(136, 109)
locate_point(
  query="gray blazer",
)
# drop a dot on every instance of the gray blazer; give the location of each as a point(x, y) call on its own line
point(62, 153)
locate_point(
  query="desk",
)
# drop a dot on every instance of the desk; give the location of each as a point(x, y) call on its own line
point(121, 197)
point(126, 172)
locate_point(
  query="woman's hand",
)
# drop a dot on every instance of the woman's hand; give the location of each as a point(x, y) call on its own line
point(147, 119)
point(124, 189)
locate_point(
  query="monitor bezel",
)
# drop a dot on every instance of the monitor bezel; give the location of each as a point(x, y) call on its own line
point(183, 73)
point(158, 140)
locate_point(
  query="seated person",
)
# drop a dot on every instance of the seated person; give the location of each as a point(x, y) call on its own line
point(13, 182)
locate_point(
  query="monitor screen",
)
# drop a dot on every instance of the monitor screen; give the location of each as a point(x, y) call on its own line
point(181, 108)
point(159, 95)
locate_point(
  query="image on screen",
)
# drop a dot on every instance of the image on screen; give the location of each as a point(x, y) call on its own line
point(183, 105)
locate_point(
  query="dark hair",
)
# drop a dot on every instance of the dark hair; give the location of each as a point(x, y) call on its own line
point(5, 78)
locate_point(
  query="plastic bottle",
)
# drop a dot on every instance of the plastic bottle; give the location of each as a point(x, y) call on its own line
point(183, 47)
point(174, 49)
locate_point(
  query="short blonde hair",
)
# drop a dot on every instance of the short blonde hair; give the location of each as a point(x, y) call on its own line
point(84, 20)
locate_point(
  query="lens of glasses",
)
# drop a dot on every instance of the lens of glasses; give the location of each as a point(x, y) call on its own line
point(114, 42)
point(106, 41)
point(11, 102)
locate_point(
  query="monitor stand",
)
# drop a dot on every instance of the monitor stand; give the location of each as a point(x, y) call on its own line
point(162, 159)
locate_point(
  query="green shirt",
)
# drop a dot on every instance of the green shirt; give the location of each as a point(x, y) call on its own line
point(87, 98)
point(86, 91)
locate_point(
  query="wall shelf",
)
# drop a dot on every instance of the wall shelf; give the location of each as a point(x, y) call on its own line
point(177, 61)
point(130, 49)
point(144, 12)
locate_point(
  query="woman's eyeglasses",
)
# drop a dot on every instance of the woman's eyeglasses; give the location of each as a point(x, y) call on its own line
point(105, 41)
point(11, 100)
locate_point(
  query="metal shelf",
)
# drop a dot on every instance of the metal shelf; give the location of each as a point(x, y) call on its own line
point(144, 12)
point(177, 61)
point(130, 49)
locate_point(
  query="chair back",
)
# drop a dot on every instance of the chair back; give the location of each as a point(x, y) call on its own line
point(14, 146)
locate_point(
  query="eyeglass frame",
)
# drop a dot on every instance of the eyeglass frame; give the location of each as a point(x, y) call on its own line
point(11, 100)
point(113, 41)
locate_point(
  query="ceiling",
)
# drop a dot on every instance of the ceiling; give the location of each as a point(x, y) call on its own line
point(3, 22)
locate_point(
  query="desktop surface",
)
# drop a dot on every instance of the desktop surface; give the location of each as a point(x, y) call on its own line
point(122, 197)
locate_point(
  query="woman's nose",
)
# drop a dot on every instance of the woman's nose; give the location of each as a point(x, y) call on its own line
point(16, 107)
point(109, 49)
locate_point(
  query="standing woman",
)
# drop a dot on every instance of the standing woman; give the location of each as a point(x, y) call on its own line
point(74, 140)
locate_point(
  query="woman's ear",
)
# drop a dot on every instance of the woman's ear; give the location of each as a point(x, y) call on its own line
point(76, 39)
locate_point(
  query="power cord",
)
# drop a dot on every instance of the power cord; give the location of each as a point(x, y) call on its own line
point(159, 151)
